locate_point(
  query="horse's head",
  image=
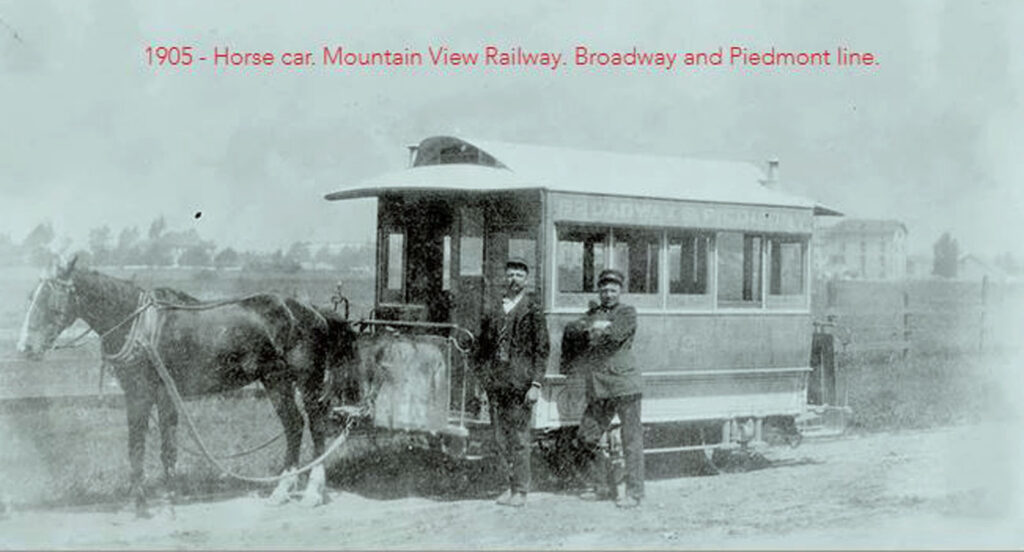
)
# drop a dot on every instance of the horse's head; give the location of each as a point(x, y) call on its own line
point(50, 312)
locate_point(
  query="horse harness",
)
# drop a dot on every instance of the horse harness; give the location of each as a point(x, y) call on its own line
point(140, 346)
point(144, 332)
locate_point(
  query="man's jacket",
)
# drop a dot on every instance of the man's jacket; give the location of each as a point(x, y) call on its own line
point(513, 348)
point(603, 357)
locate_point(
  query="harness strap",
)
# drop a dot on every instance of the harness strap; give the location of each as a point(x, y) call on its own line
point(135, 336)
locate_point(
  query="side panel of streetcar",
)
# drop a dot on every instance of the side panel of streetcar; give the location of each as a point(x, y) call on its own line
point(722, 295)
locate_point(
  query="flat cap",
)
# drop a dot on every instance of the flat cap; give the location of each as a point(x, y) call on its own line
point(517, 262)
point(610, 275)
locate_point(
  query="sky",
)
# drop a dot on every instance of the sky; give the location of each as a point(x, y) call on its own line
point(93, 135)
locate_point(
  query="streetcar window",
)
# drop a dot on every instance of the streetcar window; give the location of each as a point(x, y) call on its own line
point(458, 154)
point(580, 258)
point(786, 266)
point(635, 254)
point(446, 264)
point(395, 269)
point(471, 256)
point(471, 242)
point(688, 263)
point(739, 269)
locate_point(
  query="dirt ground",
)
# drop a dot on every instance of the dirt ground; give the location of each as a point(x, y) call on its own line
point(946, 488)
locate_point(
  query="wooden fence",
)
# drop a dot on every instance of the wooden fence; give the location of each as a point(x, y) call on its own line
point(921, 317)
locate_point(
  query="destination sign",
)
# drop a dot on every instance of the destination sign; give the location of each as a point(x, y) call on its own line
point(659, 212)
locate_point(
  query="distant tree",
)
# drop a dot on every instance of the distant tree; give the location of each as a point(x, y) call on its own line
point(946, 256)
point(298, 253)
point(157, 227)
point(41, 235)
point(196, 255)
point(355, 258)
point(323, 256)
point(283, 263)
point(127, 251)
point(36, 245)
point(99, 245)
point(227, 258)
point(156, 253)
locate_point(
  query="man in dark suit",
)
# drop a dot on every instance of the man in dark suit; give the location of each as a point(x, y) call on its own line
point(604, 339)
point(513, 352)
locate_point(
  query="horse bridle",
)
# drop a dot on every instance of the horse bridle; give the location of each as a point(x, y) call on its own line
point(68, 301)
point(68, 308)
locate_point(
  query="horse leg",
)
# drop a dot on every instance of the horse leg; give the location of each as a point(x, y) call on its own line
point(316, 410)
point(138, 409)
point(168, 443)
point(282, 396)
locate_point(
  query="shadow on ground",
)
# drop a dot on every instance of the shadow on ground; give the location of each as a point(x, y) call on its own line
point(399, 470)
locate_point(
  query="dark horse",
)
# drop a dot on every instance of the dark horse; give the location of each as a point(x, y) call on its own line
point(207, 348)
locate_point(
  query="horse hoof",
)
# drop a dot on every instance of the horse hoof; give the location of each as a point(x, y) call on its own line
point(316, 487)
point(282, 493)
point(278, 498)
point(312, 500)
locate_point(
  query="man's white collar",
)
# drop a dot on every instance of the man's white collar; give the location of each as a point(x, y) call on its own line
point(509, 303)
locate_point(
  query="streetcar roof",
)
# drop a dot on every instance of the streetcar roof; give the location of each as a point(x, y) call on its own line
point(447, 164)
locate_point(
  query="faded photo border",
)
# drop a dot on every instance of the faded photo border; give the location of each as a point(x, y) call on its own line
point(202, 138)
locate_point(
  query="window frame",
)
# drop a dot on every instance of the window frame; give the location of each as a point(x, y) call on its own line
point(757, 300)
point(385, 293)
point(664, 300)
point(582, 299)
point(692, 301)
point(787, 300)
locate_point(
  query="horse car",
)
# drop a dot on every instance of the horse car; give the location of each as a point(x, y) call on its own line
point(716, 260)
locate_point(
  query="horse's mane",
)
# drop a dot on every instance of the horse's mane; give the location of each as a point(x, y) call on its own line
point(105, 283)
point(112, 285)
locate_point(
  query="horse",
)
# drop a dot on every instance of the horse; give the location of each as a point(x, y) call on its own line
point(206, 348)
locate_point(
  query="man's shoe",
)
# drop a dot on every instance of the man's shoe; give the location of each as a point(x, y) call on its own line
point(518, 500)
point(627, 502)
point(505, 499)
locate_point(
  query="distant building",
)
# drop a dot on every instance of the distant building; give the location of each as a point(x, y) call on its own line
point(863, 249)
point(186, 248)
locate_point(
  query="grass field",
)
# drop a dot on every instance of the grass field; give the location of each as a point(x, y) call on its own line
point(929, 390)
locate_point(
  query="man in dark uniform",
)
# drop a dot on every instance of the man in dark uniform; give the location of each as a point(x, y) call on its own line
point(512, 358)
point(604, 337)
